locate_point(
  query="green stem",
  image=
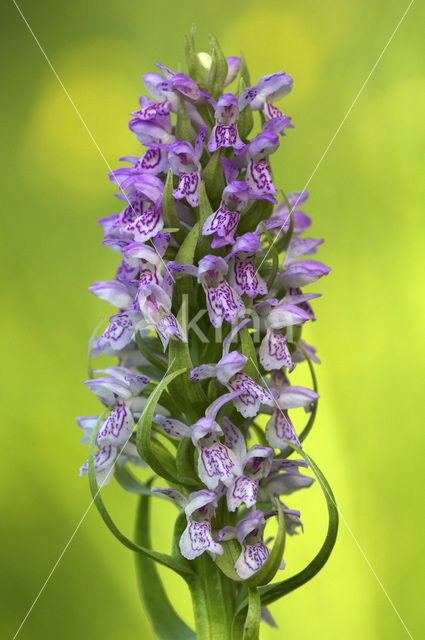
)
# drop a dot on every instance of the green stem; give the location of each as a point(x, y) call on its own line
point(213, 599)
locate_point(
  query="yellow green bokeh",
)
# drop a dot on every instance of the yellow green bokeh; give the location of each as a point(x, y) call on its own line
point(366, 200)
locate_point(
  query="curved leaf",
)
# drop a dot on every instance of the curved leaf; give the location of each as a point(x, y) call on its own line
point(272, 592)
point(168, 561)
point(166, 622)
point(129, 482)
point(147, 448)
point(253, 617)
point(90, 346)
point(308, 427)
point(304, 433)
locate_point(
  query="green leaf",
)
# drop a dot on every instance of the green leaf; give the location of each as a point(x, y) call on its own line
point(157, 458)
point(275, 257)
point(204, 245)
point(253, 617)
point(246, 119)
point(213, 176)
point(244, 72)
point(169, 211)
point(186, 253)
point(185, 462)
point(218, 71)
point(248, 350)
point(184, 129)
point(260, 210)
point(190, 394)
point(148, 347)
point(196, 70)
point(168, 561)
point(128, 481)
point(226, 562)
point(165, 621)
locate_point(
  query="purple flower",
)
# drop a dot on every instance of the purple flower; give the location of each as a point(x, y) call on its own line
point(216, 462)
point(119, 383)
point(118, 426)
point(283, 479)
point(274, 351)
point(184, 160)
point(223, 302)
point(104, 460)
point(280, 429)
point(151, 283)
point(255, 552)
point(115, 292)
point(270, 89)
point(302, 272)
point(155, 307)
point(228, 365)
point(252, 395)
point(256, 464)
point(248, 394)
point(244, 277)
point(116, 336)
point(199, 508)
point(258, 173)
point(226, 112)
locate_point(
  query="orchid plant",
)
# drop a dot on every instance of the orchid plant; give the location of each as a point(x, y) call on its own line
point(210, 300)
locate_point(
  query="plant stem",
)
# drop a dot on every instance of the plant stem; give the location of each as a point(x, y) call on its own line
point(213, 599)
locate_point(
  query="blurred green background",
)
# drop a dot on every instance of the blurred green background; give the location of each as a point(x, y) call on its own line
point(366, 200)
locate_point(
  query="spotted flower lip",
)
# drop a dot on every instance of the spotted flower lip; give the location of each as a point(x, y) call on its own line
point(254, 552)
point(226, 111)
point(184, 160)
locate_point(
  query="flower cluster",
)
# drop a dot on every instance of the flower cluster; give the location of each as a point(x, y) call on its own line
point(201, 235)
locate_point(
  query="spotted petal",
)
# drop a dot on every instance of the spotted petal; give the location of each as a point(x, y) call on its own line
point(243, 491)
point(196, 539)
point(274, 352)
point(118, 427)
point(173, 427)
point(252, 558)
point(279, 429)
point(252, 396)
